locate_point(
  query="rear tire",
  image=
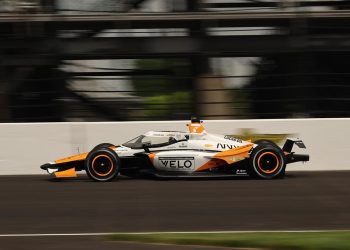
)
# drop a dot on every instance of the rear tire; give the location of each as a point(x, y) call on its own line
point(266, 143)
point(102, 164)
point(267, 162)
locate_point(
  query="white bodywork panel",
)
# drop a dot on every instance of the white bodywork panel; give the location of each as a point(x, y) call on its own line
point(186, 155)
point(182, 160)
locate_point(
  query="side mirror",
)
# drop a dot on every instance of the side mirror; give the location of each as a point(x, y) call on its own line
point(145, 147)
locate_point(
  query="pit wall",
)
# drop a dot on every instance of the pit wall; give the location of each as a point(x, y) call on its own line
point(26, 146)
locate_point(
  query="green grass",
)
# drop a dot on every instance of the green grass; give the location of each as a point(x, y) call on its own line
point(270, 240)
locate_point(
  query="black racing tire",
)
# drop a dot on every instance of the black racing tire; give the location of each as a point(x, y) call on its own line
point(102, 145)
point(102, 164)
point(267, 162)
point(266, 143)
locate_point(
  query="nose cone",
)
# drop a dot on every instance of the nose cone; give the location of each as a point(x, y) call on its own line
point(45, 166)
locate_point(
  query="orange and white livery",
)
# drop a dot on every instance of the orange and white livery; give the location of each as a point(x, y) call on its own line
point(195, 153)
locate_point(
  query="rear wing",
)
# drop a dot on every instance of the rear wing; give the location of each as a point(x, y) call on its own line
point(288, 145)
point(291, 156)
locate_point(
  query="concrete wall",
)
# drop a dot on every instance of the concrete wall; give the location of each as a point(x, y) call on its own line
point(24, 147)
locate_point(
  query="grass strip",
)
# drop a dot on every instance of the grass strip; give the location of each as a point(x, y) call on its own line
point(332, 240)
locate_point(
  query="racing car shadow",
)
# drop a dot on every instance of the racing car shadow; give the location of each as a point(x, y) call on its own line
point(84, 178)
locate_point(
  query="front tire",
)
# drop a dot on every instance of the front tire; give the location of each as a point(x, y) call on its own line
point(102, 145)
point(267, 162)
point(102, 164)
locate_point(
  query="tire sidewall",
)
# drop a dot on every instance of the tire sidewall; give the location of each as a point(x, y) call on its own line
point(98, 152)
point(253, 163)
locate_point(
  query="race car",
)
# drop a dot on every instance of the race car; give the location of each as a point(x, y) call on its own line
point(168, 154)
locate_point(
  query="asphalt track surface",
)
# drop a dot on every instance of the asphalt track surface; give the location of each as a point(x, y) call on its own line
point(39, 204)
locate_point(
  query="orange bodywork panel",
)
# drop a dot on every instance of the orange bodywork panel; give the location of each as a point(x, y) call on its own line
point(212, 164)
point(235, 154)
point(66, 173)
point(227, 157)
point(79, 157)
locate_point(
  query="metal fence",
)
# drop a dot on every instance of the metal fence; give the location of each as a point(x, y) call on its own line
point(219, 60)
point(141, 94)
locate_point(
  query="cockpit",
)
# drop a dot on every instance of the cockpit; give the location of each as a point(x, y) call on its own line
point(156, 139)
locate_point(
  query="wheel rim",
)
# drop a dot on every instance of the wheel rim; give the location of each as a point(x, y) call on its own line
point(268, 162)
point(102, 165)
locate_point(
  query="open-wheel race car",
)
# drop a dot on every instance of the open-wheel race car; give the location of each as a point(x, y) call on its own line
point(168, 154)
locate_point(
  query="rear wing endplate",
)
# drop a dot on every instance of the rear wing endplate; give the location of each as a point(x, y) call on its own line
point(288, 145)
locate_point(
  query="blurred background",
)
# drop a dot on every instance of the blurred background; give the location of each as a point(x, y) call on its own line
point(129, 60)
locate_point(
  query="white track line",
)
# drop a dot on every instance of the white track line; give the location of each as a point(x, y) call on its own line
point(176, 232)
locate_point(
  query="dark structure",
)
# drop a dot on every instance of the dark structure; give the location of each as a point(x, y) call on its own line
point(302, 70)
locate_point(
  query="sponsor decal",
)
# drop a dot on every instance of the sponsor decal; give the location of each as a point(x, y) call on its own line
point(231, 138)
point(164, 134)
point(241, 171)
point(177, 162)
point(225, 146)
point(208, 145)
